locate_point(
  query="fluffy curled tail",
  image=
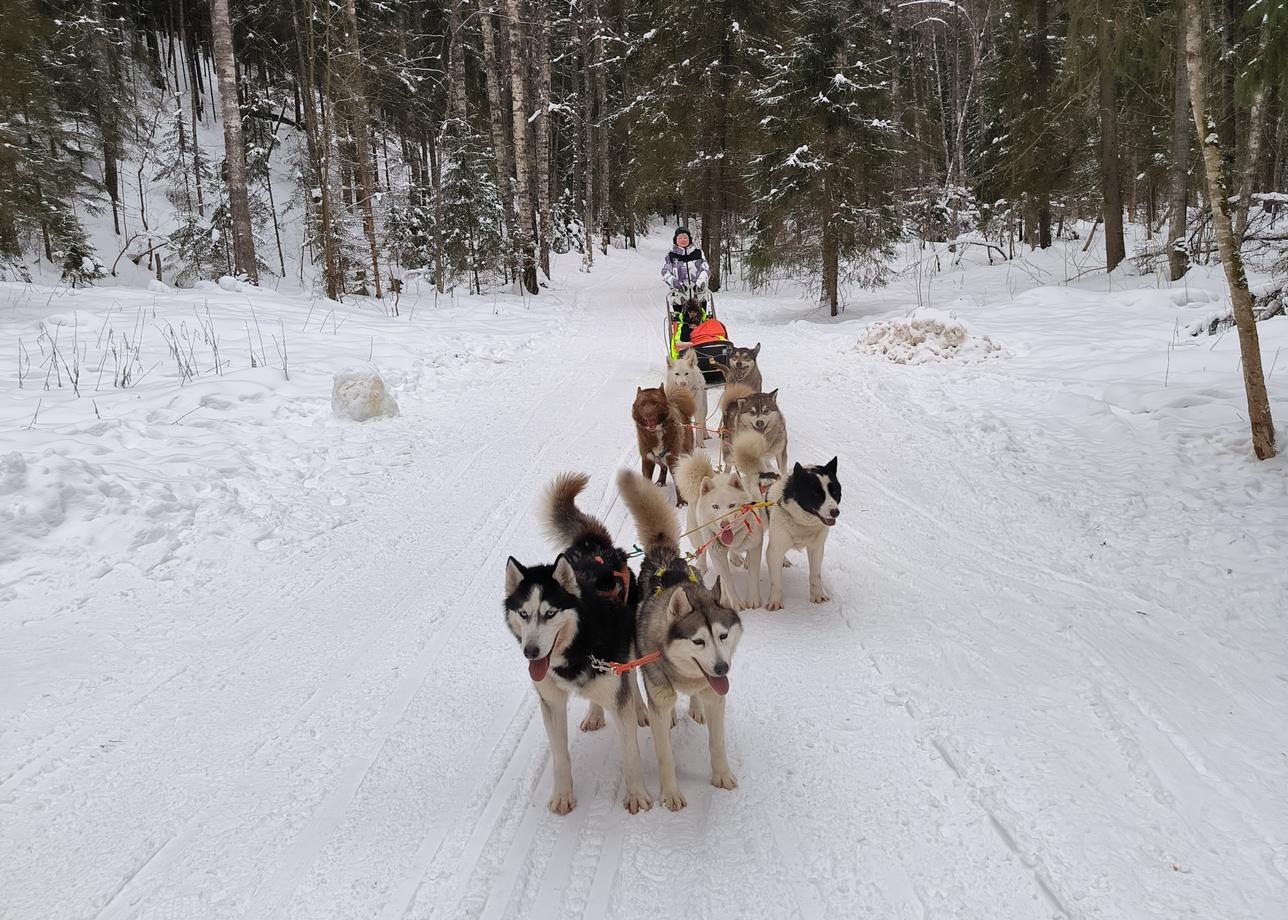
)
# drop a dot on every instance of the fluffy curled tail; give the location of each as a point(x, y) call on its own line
point(564, 522)
point(732, 393)
point(682, 401)
point(690, 473)
point(655, 521)
point(749, 453)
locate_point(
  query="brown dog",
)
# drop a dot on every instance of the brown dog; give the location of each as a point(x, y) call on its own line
point(661, 431)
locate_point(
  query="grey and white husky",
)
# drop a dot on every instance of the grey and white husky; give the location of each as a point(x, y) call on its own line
point(695, 634)
point(715, 523)
point(742, 409)
point(807, 504)
point(567, 629)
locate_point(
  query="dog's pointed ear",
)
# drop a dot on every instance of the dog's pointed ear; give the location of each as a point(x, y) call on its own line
point(565, 576)
point(514, 575)
point(797, 469)
point(679, 605)
point(741, 402)
point(716, 592)
point(639, 390)
point(772, 396)
point(670, 362)
point(830, 468)
point(707, 485)
point(755, 352)
point(736, 481)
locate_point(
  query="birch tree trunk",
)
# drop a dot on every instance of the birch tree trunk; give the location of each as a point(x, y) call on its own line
point(522, 194)
point(362, 137)
point(1110, 180)
point(234, 148)
point(544, 207)
point(1263, 430)
point(1178, 261)
point(587, 150)
point(602, 201)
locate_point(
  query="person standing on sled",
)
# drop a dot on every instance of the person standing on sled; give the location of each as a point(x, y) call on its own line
point(686, 265)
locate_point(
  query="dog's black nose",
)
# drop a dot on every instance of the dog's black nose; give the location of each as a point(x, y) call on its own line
point(531, 652)
point(836, 513)
point(721, 668)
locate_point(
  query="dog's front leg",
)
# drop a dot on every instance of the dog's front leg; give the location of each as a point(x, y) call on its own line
point(641, 709)
point(753, 571)
point(713, 707)
point(817, 594)
point(774, 559)
point(646, 467)
point(628, 743)
point(554, 712)
point(660, 712)
point(594, 718)
point(729, 595)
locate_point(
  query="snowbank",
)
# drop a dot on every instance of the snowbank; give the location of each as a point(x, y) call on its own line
point(927, 335)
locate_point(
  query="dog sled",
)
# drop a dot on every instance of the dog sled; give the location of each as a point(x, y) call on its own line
point(691, 321)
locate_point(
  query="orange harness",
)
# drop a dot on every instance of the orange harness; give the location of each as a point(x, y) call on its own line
point(620, 668)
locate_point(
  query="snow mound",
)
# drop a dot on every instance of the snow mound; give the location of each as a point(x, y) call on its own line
point(360, 395)
point(926, 336)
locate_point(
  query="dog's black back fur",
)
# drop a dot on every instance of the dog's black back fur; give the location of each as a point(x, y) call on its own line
point(805, 486)
point(597, 563)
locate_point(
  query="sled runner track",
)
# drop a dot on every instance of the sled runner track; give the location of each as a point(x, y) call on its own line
point(122, 902)
point(501, 793)
point(274, 894)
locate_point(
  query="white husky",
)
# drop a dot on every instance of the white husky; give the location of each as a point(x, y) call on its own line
point(714, 521)
point(682, 374)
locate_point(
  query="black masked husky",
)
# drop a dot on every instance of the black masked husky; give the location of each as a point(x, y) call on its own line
point(807, 505)
point(695, 634)
point(569, 631)
point(601, 567)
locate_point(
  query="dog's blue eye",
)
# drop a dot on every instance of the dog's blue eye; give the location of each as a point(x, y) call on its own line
point(523, 615)
point(549, 614)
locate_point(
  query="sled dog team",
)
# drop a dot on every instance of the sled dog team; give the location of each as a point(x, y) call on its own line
point(587, 622)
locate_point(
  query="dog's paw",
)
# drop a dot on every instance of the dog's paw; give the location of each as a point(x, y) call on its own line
point(637, 801)
point(562, 802)
point(673, 800)
point(695, 713)
point(787, 563)
point(723, 779)
point(819, 597)
point(775, 603)
point(753, 602)
point(641, 717)
point(594, 720)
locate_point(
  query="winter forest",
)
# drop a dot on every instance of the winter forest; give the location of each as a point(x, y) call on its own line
point(330, 328)
point(469, 145)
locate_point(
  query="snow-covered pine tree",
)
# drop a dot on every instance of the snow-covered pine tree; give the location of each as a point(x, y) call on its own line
point(821, 182)
point(44, 141)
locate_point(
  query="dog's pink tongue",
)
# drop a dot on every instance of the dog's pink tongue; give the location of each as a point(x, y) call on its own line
point(537, 671)
point(719, 684)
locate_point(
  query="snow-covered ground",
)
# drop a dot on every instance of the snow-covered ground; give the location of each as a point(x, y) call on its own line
point(253, 664)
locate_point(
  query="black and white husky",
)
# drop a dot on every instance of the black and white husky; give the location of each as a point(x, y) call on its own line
point(569, 631)
point(807, 503)
point(695, 634)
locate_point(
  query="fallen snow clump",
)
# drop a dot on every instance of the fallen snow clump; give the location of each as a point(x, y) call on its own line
point(924, 336)
point(360, 395)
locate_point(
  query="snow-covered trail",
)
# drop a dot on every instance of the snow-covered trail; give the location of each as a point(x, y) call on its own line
point(1018, 705)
